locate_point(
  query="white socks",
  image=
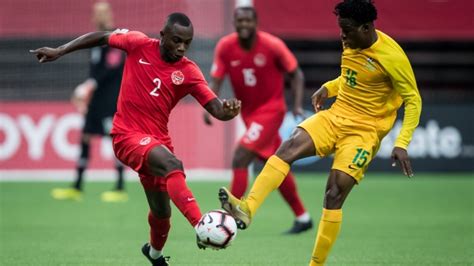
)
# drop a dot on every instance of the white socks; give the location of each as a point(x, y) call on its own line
point(303, 218)
point(154, 254)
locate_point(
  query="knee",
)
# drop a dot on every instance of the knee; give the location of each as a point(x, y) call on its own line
point(333, 197)
point(172, 164)
point(241, 159)
point(238, 161)
point(163, 167)
point(287, 151)
point(161, 212)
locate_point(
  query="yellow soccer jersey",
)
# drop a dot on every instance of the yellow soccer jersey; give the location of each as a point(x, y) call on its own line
point(375, 82)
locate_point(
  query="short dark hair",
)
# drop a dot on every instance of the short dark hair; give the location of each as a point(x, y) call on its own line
point(360, 11)
point(179, 18)
point(247, 8)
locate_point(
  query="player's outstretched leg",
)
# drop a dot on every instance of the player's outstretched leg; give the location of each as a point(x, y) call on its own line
point(161, 261)
point(272, 175)
point(237, 208)
point(162, 162)
point(270, 178)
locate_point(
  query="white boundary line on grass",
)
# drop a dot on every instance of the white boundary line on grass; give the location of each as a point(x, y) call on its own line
point(41, 175)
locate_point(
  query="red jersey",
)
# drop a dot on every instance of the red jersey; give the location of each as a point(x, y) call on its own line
point(151, 87)
point(257, 76)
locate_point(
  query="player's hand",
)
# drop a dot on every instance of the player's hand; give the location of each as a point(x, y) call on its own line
point(207, 118)
point(318, 98)
point(83, 94)
point(231, 107)
point(400, 157)
point(47, 54)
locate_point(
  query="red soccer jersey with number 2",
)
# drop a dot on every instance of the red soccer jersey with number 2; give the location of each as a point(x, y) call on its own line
point(151, 87)
point(256, 75)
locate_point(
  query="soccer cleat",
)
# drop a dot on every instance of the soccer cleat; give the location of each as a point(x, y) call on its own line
point(66, 194)
point(114, 196)
point(161, 261)
point(237, 208)
point(299, 227)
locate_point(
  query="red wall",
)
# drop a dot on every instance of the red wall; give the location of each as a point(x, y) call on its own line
point(408, 19)
point(37, 18)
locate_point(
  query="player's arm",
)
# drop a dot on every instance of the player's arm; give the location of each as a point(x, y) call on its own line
point(223, 109)
point(215, 85)
point(218, 72)
point(297, 86)
point(403, 81)
point(92, 39)
point(327, 90)
point(287, 61)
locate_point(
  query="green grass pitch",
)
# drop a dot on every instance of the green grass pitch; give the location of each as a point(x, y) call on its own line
point(388, 220)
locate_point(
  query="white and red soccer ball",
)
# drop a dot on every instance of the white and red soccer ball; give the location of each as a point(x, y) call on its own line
point(216, 229)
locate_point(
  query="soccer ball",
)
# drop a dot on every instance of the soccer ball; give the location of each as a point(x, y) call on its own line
point(216, 229)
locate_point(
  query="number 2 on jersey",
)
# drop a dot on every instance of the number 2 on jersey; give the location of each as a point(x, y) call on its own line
point(154, 92)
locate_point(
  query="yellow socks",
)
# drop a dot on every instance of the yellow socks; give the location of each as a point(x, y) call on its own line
point(328, 230)
point(269, 179)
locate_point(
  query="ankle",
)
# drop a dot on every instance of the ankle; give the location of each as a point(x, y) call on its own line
point(154, 253)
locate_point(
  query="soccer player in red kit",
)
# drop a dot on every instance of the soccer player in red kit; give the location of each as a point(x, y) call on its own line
point(256, 63)
point(156, 76)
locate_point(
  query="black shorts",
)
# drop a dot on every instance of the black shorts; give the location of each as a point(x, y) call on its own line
point(97, 124)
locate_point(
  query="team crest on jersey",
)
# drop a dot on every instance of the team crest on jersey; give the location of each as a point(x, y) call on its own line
point(145, 141)
point(260, 60)
point(177, 77)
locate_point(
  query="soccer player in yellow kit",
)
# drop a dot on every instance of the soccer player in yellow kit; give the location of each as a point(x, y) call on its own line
point(376, 78)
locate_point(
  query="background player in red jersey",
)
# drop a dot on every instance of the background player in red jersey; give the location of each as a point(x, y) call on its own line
point(256, 62)
point(156, 76)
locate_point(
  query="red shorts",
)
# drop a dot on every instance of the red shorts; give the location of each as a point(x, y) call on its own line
point(132, 150)
point(262, 135)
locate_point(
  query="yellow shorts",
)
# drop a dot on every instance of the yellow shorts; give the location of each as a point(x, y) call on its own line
point(354, 142)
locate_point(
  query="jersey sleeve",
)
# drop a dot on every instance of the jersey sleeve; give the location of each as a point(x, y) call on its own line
point(219, 69)
point(333, 86)
point(285, 58)
point(127, 40)
point(199, 88)
point(403, 80)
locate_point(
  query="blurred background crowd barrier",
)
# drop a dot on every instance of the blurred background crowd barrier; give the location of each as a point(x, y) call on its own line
point(39, 128)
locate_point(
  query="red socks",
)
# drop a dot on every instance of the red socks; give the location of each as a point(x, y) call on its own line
point(289, 193)
point(182, 197)
point(240, 181)
point(159, 229)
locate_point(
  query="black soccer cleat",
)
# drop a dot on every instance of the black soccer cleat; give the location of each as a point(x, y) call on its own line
point(299, 227)
point(161, 261)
